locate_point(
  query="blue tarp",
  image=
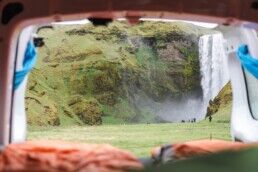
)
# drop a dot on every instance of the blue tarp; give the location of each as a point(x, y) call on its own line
point(248, 62)
point(28, 63)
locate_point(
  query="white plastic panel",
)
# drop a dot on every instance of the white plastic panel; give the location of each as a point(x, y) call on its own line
point(243, 126)
point(19, 117)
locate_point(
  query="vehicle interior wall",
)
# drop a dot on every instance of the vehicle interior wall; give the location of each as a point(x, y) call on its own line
point(50, 11)
point(237, 24)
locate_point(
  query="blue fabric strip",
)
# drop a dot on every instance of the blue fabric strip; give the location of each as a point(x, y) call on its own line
point(28, 63)
point(248, 62)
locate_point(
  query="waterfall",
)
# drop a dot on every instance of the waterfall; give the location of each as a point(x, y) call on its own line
point(213, 66)
point(214, 75)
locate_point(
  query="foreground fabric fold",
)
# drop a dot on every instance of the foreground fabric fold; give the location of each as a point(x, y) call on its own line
point(179, 151)
point(60, 156)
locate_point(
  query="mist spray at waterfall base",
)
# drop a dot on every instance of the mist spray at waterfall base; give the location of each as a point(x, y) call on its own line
point(193, 106)
point(187, 108)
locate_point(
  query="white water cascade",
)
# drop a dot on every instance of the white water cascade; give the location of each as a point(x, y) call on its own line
point(213, 66)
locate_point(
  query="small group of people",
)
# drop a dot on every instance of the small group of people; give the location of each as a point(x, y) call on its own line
point(190, 120)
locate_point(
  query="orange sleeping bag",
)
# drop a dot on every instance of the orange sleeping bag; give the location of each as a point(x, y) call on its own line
point(62, 156)
point(189, 149)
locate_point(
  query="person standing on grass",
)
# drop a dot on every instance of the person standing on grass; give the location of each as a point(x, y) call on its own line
point(210, 118)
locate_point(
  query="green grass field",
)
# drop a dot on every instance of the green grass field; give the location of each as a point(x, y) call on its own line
point(139, 138)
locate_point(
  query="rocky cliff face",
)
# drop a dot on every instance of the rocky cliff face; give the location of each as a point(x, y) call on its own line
point(93, 75)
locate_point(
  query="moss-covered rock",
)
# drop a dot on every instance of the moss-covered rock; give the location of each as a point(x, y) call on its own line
point(40, 113)
point(89, 111)
point(223, 99)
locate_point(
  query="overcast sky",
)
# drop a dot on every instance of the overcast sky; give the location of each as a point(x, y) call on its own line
point(207, 25)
